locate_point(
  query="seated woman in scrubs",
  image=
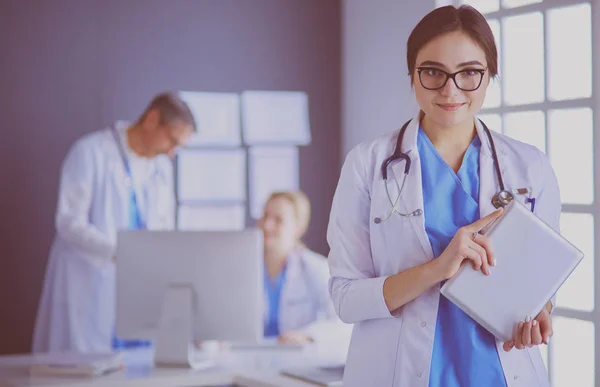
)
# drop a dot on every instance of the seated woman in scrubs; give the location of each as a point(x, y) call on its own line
point(298, 306)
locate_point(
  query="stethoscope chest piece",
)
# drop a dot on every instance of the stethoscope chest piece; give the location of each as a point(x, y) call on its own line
point(502, 198)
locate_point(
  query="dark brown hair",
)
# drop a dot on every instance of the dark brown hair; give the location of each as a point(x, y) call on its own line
point(172, 109)
point(448, 19)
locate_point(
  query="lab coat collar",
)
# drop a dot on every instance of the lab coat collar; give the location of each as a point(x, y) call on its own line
point(486, 147)
point(489, 184)
point(294, 263)
point(409, 142)
point(412, 194)
point(122, 125)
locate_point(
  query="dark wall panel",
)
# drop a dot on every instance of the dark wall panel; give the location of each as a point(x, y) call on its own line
point(68, 67)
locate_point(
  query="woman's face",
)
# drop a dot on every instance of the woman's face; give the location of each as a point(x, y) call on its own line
point(279, 226)
point(450, 106)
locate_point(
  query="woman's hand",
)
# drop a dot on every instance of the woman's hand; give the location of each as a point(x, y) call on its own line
point(294, 337)
point(532, 332)
point(467, 243)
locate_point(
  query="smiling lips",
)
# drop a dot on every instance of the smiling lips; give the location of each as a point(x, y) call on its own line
point(450, 107)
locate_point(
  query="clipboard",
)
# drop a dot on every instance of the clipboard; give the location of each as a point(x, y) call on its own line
point(532, 263)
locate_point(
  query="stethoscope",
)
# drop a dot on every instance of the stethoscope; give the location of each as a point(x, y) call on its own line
point(500, 199)
point(129, 181)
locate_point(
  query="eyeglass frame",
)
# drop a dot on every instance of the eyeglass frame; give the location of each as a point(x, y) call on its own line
point(175, 141)
point(453, 76)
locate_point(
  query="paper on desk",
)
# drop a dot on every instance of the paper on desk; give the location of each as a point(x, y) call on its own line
point(217, 117)
point(271, 169)
point(211, 174)
point(275, 117)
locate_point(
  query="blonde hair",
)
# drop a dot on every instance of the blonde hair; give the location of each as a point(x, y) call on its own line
point(301, 205)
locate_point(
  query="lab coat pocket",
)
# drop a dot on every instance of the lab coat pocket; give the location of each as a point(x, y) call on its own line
point(373, 342)
point(538, 366)
point(395, 245)
point(92, 296)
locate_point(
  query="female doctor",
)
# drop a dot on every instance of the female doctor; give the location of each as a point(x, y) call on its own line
point(400, 226)
point(299, 309)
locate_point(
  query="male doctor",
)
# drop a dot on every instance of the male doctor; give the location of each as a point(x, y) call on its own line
point(114, 179)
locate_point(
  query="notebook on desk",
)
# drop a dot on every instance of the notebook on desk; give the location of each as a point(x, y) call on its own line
point(328, 376)
point(532, 262)
point(77, 364)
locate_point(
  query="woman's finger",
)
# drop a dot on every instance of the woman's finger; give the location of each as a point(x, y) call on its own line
point(519, 336)
point(508, 345)
point(536, 334)
point(486, 220)
point(485, 242)
point(482, 255)
point(545, 323)
point(526, 336)
point(467, 253)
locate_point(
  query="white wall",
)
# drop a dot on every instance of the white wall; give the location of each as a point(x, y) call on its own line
point(376, 92)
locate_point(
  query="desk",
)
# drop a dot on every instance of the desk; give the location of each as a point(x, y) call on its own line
point(240, 368)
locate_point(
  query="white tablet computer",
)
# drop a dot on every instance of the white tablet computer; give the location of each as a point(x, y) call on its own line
point(532, 262)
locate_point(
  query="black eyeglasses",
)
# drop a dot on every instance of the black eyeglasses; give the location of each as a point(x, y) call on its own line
point(432, 78)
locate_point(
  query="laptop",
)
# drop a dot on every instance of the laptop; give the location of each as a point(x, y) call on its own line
point(532, 263)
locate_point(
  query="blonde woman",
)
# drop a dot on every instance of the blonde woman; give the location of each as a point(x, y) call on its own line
point(298, 306)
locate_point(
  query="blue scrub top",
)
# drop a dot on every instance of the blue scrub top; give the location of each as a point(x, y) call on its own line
point(273, 290)
point(464, 353)
point(135, 217)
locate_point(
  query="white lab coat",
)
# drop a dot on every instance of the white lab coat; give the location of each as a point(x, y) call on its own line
point(395, 349)
point(305, 303)
point(77, 307)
